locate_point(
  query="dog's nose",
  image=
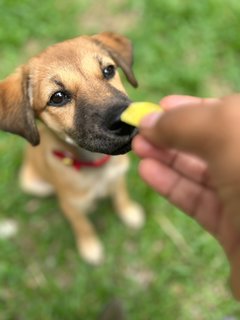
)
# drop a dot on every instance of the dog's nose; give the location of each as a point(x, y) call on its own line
point(120, 128)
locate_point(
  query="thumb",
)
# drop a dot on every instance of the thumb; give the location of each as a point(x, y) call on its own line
point(188, 128)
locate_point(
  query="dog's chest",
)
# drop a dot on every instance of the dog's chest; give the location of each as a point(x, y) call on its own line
point(89, 184)
point(98, 181)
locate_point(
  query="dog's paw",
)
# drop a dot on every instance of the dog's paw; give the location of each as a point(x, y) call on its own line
point(32, 184)
point(91, 250)
point(133, 216)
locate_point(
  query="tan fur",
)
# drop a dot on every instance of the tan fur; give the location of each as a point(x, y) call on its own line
point(77, 65)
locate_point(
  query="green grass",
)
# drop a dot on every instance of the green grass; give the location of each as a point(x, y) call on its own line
point(171, 269)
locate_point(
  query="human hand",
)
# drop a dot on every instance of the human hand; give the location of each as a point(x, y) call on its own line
point(205, 181)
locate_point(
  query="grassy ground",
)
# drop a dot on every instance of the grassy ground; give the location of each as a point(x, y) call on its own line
point(169, 270)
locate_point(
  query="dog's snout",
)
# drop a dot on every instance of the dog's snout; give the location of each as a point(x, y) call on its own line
point(119, 128)
point(116, 124)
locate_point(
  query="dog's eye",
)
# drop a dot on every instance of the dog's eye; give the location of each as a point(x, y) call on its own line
point(59, 99)
point(109, 72)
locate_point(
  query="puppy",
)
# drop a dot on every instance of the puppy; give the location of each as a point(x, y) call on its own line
point(74, 89)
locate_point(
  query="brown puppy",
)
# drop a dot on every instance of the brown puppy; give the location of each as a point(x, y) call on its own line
point(75, 90)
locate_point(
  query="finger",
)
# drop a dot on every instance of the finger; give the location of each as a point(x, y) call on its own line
point(185, 128)
point(189, 166)
point(194, 199)
point(175, 101)
point(235, 276)
point(144, 149)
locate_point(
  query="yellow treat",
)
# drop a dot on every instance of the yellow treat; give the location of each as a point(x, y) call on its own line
point(138, 110)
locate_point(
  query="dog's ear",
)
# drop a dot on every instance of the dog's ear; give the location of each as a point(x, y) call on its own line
point(120, 49)
point(16, 113)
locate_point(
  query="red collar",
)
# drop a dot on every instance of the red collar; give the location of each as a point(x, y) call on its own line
point(69, 160)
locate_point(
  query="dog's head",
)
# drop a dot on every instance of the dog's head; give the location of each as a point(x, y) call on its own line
point(75, 89)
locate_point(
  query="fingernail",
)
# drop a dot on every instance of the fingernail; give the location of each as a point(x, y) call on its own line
point(150, 120)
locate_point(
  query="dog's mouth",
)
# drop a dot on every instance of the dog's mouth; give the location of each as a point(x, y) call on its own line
point(122, 150)
point(118, 134)
point(105, 142)
point(117, 127)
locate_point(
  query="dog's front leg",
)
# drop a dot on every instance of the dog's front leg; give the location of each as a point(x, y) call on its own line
point(130, 212)
point(89, 246)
